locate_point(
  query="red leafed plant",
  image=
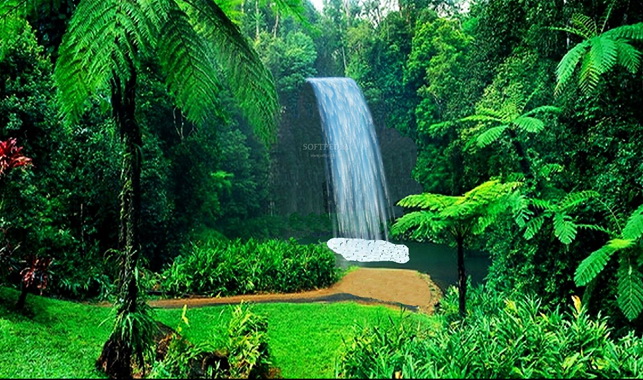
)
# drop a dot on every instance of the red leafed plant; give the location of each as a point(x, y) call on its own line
point(35, 275)
point(11, 156)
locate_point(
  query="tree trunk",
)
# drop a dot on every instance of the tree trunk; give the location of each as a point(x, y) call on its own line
point(23, 298)
point(525, 166)
point(462, 277)
point(116, 357)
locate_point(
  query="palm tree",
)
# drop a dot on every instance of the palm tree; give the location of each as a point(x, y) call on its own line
point(455, 218)
point(599, 51)
point(200, 51)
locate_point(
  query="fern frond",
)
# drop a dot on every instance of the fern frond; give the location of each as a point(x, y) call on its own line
point(490, 135)
point(632, 32)
point(629, 290)
point(543, 109)
point(521, 212)
point(564, 228)
point(585, 25)
point(576, 198)
point(548, 169)
point(634, 227)
point(568, 64)
point(427, 201)
point(594, 227)
point(589, 75)
point(628, 56)
point(482, 118)
point(593, 265)
point(491, 113)
point(250, 81)
point(186, 61)
point(529, 124)
point(533, 226)
point(418, 224)
point(103, 41)
point(603, 54)
point(542, 204)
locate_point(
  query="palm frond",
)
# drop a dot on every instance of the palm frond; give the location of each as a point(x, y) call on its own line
point(490, 135)
point(250, 81)
point(593, 265)
point(629, 290)
point(568, 64)
point(529, 124)
point(186, 60)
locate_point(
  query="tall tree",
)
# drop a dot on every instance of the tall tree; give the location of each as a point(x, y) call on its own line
point(199, 50)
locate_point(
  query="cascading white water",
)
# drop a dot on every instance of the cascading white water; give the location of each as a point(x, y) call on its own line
point(356, 172)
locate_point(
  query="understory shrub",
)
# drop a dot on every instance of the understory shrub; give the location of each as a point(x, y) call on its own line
point(511, 336)
point(245, 354)
point(234, 267)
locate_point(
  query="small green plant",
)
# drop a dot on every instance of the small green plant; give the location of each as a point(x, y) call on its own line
point(249, 355)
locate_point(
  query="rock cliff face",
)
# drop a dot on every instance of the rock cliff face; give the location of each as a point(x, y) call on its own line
point(300, 157)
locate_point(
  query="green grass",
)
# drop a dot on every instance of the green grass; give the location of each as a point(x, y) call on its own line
point(63, 339)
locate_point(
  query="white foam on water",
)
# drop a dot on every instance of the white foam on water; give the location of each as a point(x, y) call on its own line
point(363, 250)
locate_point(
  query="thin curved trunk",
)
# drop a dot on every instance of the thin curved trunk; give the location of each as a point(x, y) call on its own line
point(116, 357)
point(462, 276)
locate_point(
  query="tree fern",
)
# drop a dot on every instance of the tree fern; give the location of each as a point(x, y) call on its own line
point(599, 51)
point(560, 211)
point(454, 217)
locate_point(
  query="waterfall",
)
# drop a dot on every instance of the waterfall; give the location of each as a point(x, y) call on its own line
point(355, 171)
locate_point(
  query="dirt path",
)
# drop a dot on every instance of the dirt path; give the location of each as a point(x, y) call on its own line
point(390, 287)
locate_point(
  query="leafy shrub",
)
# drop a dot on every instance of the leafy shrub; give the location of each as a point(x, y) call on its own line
point(248, 344)
point(234, 267)
point(245, 355)
point(501, 337)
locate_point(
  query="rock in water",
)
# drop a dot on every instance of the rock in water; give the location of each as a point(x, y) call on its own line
point(369, 250)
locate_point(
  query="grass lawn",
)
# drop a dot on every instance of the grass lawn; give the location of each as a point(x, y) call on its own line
point(60, 339)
